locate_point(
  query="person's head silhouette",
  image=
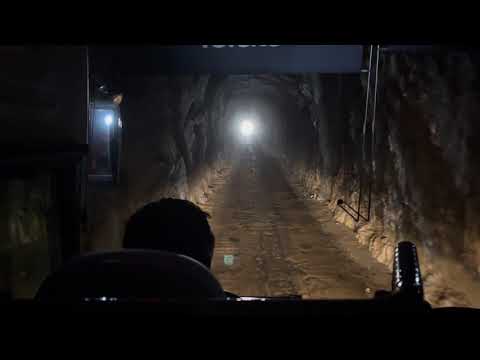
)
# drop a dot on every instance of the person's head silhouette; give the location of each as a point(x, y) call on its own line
point(173, 225)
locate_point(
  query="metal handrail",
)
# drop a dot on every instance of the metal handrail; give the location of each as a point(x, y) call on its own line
point(341, 203)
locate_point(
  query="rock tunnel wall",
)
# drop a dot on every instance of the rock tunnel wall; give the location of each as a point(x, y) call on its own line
point(171, 148)
point(424, 180)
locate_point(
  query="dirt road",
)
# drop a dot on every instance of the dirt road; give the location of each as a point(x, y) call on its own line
point(271, 242)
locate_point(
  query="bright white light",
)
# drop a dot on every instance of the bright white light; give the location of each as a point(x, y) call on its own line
point(247, 128)
point(108, 120)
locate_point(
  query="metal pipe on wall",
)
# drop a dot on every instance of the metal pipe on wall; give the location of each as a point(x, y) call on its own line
point(357, 216)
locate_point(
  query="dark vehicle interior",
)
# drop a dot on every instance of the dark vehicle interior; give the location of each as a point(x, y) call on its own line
point(176, 285)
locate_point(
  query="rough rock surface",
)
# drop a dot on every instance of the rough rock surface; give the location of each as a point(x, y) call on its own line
point(169, 150)
point(425, 164)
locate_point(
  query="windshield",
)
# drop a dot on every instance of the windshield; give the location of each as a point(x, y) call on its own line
point(313, 162)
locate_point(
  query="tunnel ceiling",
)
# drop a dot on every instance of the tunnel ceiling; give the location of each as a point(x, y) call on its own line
point(281, 88)
point(242, 84)
point(124, 67)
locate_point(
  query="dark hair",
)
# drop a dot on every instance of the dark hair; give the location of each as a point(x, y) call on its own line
point(173, 225)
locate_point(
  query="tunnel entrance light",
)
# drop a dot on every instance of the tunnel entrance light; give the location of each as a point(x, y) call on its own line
point(247, 128)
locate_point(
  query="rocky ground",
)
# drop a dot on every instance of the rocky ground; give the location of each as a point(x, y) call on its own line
point(270, 241)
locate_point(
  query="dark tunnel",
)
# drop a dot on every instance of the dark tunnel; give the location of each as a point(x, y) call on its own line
point(308, 192)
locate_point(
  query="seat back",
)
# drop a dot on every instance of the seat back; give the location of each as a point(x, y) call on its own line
point(130, 275)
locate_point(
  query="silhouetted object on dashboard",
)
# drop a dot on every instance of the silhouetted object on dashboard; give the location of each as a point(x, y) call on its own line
point(406, 277)
point(173, 225)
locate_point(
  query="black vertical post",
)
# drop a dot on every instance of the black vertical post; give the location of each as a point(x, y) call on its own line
point(370, 112)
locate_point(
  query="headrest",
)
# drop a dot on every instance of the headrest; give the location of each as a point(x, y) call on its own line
point(130, 275)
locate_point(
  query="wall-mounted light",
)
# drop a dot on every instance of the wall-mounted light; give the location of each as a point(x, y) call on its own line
point(108, 119)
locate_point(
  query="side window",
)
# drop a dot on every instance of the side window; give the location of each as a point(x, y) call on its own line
point(105, 136)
